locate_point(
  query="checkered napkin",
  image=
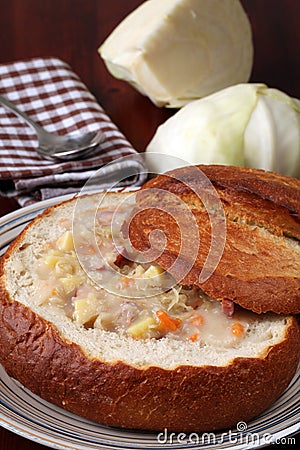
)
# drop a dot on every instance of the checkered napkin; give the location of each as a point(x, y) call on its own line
point(52, 95)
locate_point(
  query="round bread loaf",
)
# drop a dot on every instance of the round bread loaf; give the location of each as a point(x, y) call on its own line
point(120, 380)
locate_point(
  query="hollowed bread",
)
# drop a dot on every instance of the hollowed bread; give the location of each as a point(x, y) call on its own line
point(122, 378)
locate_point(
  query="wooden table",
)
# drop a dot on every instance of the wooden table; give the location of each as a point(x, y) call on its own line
point(73, 29)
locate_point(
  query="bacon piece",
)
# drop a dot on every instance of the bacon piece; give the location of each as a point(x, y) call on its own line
point(227, 307)
point(120, 261)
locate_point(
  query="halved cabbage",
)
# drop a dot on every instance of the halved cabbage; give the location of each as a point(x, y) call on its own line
point(244, 125)
point(176, 51)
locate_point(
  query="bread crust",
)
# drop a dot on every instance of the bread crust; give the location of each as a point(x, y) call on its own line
point(278, 188)
point(184, 399)
point(260, 265)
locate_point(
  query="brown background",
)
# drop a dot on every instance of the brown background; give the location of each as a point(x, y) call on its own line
point(73, 29)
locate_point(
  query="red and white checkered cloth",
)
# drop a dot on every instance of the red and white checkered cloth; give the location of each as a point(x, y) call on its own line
point(52, 94)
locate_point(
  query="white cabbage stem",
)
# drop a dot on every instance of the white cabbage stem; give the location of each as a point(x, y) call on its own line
point(246, 125)
point(176, 51)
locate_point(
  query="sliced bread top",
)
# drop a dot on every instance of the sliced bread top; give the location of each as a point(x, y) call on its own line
point(258, 214)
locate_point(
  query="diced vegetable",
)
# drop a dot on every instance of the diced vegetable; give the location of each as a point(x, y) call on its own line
point(153, 271)
point(194, 337)
point(70, 283)
point(166, 322)
point(126, 280)
point(141, 326)
point(196, 320)
point(65, 242)
point(85, 309)
point(238, 329)
point(51, 260)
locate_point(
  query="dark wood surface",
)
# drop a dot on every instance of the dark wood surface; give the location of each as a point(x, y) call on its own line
point(73, 29)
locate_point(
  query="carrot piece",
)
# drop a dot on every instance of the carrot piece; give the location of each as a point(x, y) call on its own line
point(91, 249)
point(237, 329)
point(194, 337)
point(166, 322)
point(54, 292)
point(196, 320)
point(126, 281)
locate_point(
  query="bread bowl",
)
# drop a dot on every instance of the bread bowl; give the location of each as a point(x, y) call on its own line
point(124, 378)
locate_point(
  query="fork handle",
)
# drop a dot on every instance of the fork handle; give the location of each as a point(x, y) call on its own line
point(11, 107)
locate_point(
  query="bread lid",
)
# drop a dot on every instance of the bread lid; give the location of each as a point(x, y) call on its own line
point(232, 231)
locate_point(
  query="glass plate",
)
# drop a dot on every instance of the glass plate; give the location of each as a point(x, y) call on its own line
point(31, 417)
